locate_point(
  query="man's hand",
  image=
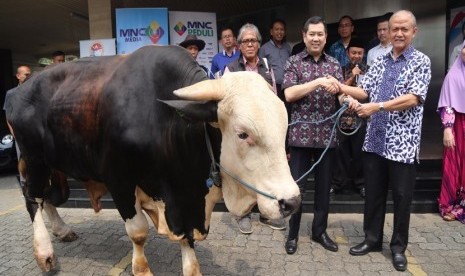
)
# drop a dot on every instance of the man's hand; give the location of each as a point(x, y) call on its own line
point(356, 71)
point(367, 109)
point(329, 84)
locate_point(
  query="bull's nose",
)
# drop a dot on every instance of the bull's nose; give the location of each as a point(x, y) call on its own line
point(289, 206)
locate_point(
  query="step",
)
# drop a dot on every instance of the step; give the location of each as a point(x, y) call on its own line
point(424, 199)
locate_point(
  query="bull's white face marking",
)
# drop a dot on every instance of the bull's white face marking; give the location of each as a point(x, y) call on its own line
point(253, 122)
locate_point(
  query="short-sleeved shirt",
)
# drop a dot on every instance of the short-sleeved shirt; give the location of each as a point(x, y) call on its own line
point(277, 57)
point(377, 51)
point(395, 135)
point(315, 106)
point(222, 59)
point(7, 97)
point(338, 51)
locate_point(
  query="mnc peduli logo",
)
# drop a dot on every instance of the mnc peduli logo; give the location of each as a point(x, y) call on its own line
point(180, 29)
point(198, 28)
point(154, 31)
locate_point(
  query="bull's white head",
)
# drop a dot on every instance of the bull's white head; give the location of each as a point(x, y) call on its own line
point(253, 123)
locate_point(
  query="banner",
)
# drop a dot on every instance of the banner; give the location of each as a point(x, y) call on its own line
point(97, 47)
point(139, 27)
point(457, 19)
point(201, 24)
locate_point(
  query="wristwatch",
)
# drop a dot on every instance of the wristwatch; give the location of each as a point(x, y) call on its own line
point(381, 107)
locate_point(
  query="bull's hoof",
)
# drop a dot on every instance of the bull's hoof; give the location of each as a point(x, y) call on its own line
point(46, 263)
point(67, 237)
point(141, 271)
point(140, 267)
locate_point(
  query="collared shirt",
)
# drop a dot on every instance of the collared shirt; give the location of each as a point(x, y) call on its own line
point(377, 51)
point(315, 106)
point(276, 56)
point(222, 59)
point(261, 67)
point(8, 94)
point(338, 51)
point(395, 135)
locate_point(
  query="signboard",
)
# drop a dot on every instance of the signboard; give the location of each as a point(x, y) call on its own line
point(200, 24)
point(97, 47)
point(140, 27)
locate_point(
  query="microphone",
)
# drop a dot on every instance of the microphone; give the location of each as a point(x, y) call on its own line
point(357, 76)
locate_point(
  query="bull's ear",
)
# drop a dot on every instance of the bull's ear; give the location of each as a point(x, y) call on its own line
point(195, 111)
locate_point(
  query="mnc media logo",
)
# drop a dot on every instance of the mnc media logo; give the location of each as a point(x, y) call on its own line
point(180, 29)
point(154, 31)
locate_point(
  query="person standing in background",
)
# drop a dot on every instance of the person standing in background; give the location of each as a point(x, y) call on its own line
point(21, 74)
point(384, 46)
point(338, 48)
point(58, 57)
point(276, 51)
point(194, 46)
point(348, 174)
point(229, 53)
point(451, 107)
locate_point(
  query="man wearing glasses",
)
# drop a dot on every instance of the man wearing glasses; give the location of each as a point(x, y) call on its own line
point(249, 39)
point(338, 48)
point(229, 53)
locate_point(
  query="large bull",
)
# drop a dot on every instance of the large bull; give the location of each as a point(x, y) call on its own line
point(115, 120)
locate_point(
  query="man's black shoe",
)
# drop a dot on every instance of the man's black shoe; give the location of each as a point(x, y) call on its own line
point(291, 246)
point(326, 242)
point(364, 248)
point(399, 261)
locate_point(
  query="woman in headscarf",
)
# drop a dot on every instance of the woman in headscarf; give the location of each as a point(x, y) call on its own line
point(452, 109)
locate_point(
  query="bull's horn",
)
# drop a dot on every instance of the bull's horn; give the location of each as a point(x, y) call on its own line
point(202, 91)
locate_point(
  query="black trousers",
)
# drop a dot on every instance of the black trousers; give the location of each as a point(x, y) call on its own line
point(379, 174)
point(300, 163)
point(348, 170)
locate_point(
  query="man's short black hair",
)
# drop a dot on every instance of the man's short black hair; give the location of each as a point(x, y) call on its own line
point(225, 28)
point(385, 17)
point(58, 53)
point(278, 20)
point(348, 17)
point(314, 20)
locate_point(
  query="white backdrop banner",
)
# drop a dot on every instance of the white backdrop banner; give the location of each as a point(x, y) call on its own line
point(201, 24)
point(97, 47)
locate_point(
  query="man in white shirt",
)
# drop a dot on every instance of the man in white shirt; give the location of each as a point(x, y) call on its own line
point(384, 45)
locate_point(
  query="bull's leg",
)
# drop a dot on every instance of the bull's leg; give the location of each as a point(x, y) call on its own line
point(38, 175)
point(59, 228)
point(138, 229)
point(190, 265)
point(43, 249)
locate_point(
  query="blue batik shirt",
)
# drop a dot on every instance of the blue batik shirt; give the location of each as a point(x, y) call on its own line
point(395, 135)
point(338, 51)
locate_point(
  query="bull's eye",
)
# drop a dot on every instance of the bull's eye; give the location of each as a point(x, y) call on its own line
point(242, 135)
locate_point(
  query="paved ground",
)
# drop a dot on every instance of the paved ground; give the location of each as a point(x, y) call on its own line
point(436, 247)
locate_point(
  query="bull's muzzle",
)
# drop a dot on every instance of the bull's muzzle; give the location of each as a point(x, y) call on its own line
point(289, 206)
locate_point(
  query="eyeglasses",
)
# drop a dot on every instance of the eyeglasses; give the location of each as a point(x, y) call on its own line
point(227, 36)
point(247, 41)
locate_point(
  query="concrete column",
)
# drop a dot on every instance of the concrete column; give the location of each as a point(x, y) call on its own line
point(100, 22)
